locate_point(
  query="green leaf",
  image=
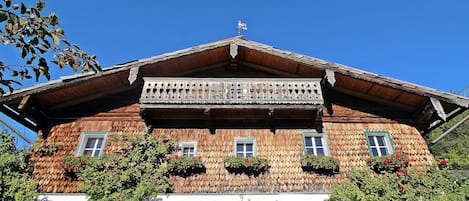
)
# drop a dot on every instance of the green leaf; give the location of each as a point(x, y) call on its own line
point(14, 73)
point(60, 31)
point(53, 19)
point(23, 8)
point(56, 39)
point(24, 52)
point(8, 3)
point(16, 6)
point(40, 5)
point(3, 16)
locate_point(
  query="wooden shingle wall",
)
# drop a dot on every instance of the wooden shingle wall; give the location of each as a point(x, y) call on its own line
point(283, 149)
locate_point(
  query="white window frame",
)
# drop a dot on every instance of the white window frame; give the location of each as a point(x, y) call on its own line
point(313, 134)
point(183, 144)
point(84, 139)
point(244, 140)
point(387, 142)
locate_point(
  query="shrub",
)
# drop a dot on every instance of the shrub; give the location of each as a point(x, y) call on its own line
point(15, 179)
point(184, 165)
point(404, 184)
point(247, 165)
point(320, 164)
point(135, 172)
point(45, 148)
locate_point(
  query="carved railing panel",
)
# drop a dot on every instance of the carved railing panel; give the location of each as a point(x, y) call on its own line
point(232, 91)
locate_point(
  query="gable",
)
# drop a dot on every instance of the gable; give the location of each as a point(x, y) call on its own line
point(233, 57)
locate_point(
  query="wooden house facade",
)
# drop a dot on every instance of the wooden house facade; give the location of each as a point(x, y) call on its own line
point(234, 97)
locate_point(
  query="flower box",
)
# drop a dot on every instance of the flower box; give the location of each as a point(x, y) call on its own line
point(320, 164)
point(73, 165)
point(389, 163)
point(246, 165)
point(184, 165)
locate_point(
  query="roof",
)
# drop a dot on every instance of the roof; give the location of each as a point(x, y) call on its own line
point(430, 106)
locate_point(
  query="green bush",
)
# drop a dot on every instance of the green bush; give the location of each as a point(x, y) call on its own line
point(15, 180)
point(136, 172)
point(389, 163)
point(432, 184)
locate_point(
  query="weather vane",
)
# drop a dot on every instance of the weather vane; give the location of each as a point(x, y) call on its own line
point(241, 26)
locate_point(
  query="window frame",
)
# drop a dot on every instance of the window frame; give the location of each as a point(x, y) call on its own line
point(245, 140)
point(387, 141)
point(325, 142)
point(84, 139)
point(183, 144)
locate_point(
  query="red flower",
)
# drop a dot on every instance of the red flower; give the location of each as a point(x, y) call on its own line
point(401, 188)
point(94, 186)
point(443, 162)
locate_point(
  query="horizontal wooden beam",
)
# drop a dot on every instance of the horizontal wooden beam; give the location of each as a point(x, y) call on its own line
point(375, 99)
point(267, 69)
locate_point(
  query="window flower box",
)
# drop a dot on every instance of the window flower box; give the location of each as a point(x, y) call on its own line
point(389, 163)
point(246, 165)
point(184, 165)
point(74, 165)
point(320, 164)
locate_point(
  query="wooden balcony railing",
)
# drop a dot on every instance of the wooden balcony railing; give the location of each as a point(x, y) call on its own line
point(232, 92)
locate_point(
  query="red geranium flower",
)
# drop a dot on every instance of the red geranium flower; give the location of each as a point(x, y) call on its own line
point(443, 162)
point(401, 187)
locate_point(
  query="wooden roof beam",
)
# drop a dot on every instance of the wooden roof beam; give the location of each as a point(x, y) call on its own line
point(386, 102)
point(267, 69)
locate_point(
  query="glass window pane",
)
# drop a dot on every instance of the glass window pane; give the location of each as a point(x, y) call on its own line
point(320, 152)
point(249, 147)
point(371, 140)
point(239, 154)
point(249, 154)
point(383, 151)
point(239, 148)
point(309, 151)
point(374, 152)
point(380, 140)
point(90, 143)
point(308, 142)
point(96, 153)
point(100, 142)
point(88, 152)
point(318, 141)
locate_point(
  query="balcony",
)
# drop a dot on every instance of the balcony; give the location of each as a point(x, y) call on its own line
point(231, 93)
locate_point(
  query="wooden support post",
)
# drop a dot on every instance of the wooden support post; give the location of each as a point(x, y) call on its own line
point(24, 102)
point(208, 120)
point(271, 114)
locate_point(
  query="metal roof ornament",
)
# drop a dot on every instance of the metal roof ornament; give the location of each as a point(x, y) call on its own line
point(241, 26)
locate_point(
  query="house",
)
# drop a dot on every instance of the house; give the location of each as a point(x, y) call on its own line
point(234, 97)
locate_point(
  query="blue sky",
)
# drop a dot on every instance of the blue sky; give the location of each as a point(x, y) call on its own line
point(423, 42)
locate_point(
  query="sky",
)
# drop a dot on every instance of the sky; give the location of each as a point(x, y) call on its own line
point(423, 42)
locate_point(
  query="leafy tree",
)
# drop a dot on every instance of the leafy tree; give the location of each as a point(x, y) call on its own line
point(15, 182)
point(135, 172)
point(453, 147)
point(38, 36)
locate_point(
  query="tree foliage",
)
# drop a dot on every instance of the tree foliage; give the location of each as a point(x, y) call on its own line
point(15, 182)
point(432, 185)
point(135, 172)
point(453, 147)
point(38, 36)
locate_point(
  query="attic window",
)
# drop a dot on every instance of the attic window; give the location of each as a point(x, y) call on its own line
point(188, 148)
point(92, 144)
point(315, 144)
point(245, 147)
point(379, 143)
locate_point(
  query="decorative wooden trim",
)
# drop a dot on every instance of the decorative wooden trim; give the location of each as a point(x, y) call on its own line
point(229, 91)
point(438, 108)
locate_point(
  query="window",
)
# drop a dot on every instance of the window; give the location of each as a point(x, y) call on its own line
point(92, 144)
point(187, 148)
point(245, 147)
point(379, 143)
point(315, 144)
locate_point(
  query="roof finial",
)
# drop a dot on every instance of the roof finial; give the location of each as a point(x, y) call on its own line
point(241, 26)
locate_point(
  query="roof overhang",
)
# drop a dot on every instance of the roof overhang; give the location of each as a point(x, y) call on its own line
point(34, 104)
